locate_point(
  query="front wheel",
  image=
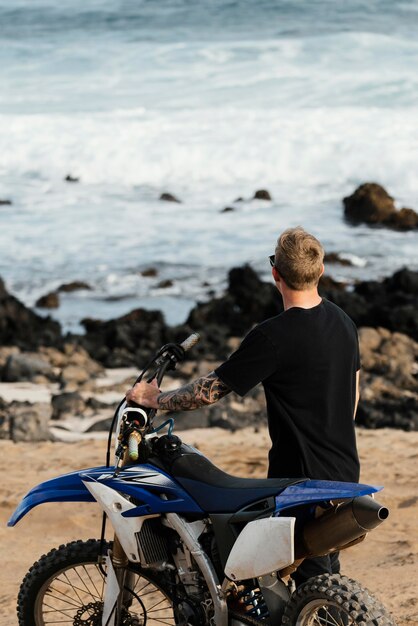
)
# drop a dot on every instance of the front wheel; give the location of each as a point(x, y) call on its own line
point(334, 600)
point(66, 586)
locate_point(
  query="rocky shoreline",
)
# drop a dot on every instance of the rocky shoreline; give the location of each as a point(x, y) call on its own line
point(76, 369)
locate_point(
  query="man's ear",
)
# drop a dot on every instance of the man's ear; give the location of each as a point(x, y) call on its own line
point(322, 271)
point(275, 274)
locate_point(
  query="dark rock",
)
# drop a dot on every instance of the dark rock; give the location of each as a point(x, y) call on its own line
point(96, 405)
point(164, 284)
point(5, 202)
point(150, 272)
point(125, 341)
point(240, 199)
point(404, 280)
point(75, 285)
point(27, 367)
point(401, 413)
point(49, 301)
point(67, 404)
point(404, 219)
point(262, 194)
point(22, 421)
point(71, 179)
point(227, 209)
point(370, 203)
point(169, 197)
point(326, 283)
point(247, 300)
point(21, 327)
point(102, 425)
point(335, 258)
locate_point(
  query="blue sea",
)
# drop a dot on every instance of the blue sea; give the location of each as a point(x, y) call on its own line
point(209, 100)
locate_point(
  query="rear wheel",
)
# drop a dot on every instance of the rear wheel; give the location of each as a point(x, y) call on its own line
point(66, 586)
point(334, 600)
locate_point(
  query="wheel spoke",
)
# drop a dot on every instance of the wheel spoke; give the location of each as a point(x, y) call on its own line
point(91, 580)
point(74, 594)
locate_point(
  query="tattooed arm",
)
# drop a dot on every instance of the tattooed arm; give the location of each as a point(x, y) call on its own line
point(205, 390)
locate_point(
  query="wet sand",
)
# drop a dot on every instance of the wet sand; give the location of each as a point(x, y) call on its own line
point(387, 562)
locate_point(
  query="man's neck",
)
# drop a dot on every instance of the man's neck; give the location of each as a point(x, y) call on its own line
point(302, 299)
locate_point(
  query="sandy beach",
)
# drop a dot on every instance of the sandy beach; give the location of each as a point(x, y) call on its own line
point(387, 562)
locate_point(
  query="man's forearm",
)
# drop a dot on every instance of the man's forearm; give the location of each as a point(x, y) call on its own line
point(203, 391)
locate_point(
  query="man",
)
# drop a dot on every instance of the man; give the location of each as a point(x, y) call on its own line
point(307, 359)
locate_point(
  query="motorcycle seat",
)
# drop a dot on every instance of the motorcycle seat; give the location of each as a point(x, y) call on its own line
point(216, 491)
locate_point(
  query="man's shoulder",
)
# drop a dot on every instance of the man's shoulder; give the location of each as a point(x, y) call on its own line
point(271, 324)
point(337, 311)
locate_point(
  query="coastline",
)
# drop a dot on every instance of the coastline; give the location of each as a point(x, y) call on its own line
point(386, 562)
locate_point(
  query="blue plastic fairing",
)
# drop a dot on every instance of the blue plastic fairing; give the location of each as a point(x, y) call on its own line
point(65, 488)
point(320, 491)
point(155, 491)
point(145, 483)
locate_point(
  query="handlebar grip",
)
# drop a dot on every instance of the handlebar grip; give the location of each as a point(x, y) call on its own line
point(191, 341)
point(133, 443)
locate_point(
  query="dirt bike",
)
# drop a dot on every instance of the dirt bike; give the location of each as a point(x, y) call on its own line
point(193, 545)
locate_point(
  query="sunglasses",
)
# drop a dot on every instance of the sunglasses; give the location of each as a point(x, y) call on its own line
point(272, 259)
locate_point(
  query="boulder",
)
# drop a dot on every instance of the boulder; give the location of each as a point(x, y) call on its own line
point(169, 197)
point(390, 413)
point(335, 258)
point(75, 285)
point(125, 341)
point(77, 368)
point(164, 284)
point(326, 283)
point(149, 272)
point(404, 219)
point(371, 204)
point(27, 367)
point(22, 421)
point(227, 209)
point(262, 194)
point(71, 179)
point(49, 301)
point(5, 353)
point(247, 300)
point(5, 202)
point(21, 327)
point(67, 405)
point(389, 387)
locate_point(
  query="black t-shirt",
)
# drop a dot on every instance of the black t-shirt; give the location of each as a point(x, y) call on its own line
point(307, 361)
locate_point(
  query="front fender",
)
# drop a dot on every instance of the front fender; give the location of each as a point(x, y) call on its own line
point(65, 488)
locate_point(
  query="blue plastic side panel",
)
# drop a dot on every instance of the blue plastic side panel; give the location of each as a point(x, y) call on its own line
point(146, 484)
point(320, 491)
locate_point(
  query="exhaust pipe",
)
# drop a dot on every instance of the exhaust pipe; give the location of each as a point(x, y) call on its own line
point(339, 527)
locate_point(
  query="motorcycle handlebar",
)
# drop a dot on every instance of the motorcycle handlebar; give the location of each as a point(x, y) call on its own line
point(134, 440)
point(191, 341)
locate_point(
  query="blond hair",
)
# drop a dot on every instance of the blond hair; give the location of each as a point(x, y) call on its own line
point(299, 258)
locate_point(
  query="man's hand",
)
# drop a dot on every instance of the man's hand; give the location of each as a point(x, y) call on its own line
point(145, 394)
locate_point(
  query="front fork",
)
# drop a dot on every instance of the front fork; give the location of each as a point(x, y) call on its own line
point(124, 577)
point(120, 564)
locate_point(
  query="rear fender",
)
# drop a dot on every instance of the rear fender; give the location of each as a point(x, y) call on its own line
point(314, 491)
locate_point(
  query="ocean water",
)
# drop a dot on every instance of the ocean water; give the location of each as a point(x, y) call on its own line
point(208, 100)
